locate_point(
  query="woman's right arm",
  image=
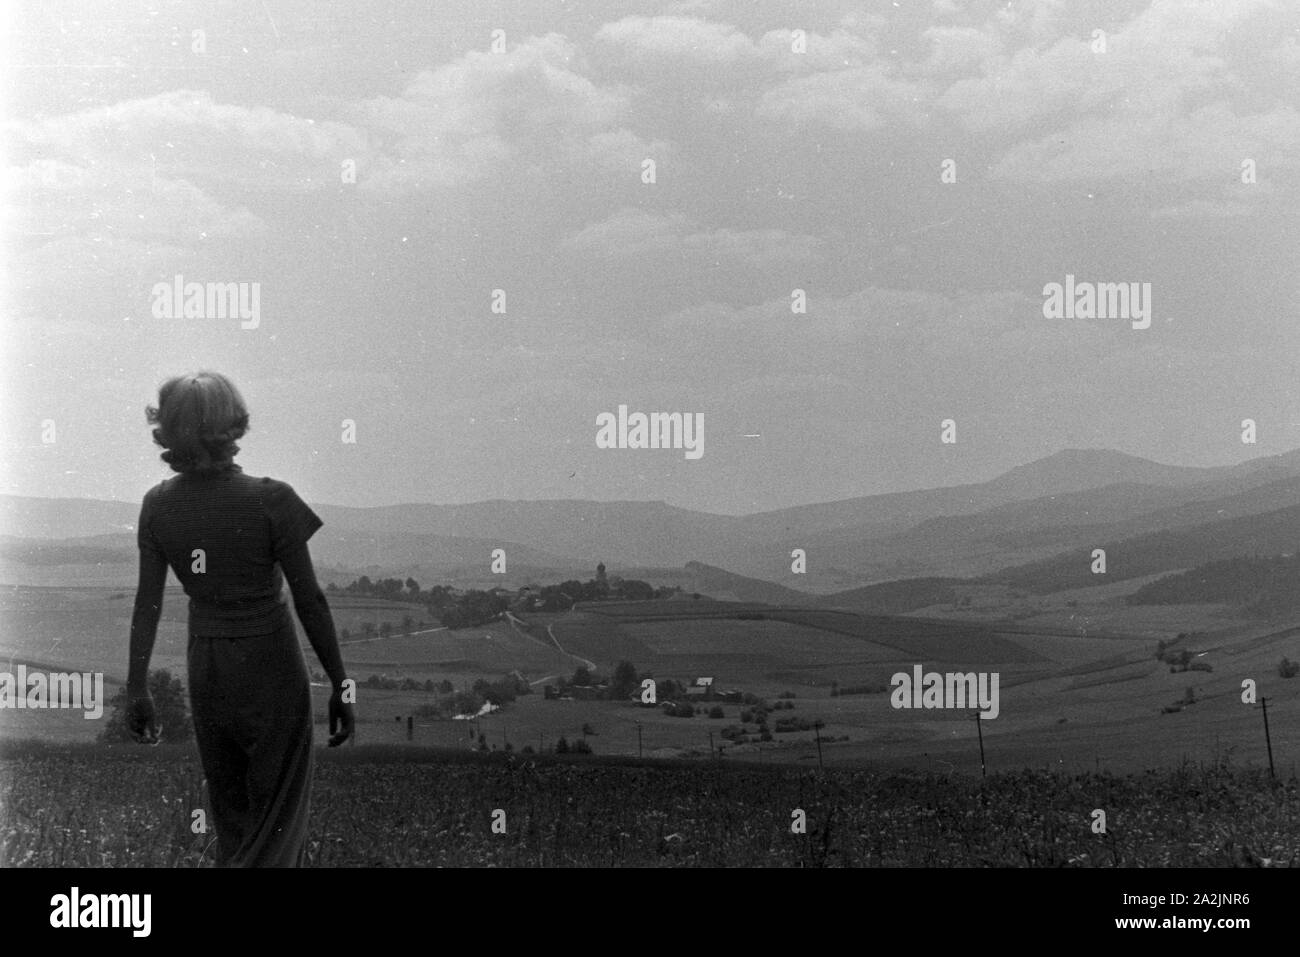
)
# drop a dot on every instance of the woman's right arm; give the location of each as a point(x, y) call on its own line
point(314, 613)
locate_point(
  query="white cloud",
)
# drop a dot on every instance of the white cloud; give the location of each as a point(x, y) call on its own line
point(633, 232)
point(863, 98)
point(484, 111)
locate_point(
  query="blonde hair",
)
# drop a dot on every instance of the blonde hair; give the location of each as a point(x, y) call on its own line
point(199, 417)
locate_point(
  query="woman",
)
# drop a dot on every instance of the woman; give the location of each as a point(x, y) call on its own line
point(223, 533)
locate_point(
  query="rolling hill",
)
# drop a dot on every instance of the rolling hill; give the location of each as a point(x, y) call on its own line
point(1025, 517)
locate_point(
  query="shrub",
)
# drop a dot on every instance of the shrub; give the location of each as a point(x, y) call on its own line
point(562, 746)
point(717, 712)
point(786, 725)
point(1200, 666)
point(786, 694)
point(581, 747)
point(588, 729)
point(1288, 669)
point(746, 716)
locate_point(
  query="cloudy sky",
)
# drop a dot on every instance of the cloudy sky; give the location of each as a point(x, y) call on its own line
point(795, 146)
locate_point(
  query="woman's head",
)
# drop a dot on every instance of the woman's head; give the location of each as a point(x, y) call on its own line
point(198, 417)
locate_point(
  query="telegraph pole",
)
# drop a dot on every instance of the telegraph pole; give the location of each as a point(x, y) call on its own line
point(1263, 702)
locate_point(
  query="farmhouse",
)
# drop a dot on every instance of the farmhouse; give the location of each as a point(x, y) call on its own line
point(701, 688)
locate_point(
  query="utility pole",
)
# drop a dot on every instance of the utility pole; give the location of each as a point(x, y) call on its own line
point(979, 729)
point(817, 730)
point(1263, 702)
point(639, 752)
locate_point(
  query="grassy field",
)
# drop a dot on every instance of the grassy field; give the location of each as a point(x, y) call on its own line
point(78, 806)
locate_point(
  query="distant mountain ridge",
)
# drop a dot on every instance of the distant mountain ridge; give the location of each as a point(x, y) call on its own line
point(1026, 515)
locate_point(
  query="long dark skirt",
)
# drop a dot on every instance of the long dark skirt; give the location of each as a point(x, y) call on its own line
point(251, 699)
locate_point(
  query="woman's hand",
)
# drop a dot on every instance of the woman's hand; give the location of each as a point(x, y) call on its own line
point(343, 719)
point(142, 718)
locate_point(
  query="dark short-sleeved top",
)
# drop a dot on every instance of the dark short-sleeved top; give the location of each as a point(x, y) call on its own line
point(242, 525)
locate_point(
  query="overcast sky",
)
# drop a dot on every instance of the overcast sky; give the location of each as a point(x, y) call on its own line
point(132, 159)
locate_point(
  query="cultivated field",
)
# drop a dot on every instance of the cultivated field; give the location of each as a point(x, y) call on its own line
point(1067, 702)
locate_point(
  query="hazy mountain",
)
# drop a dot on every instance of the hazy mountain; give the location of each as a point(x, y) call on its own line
point(1026, 531)
point(1025, 515)
point(1269, 533)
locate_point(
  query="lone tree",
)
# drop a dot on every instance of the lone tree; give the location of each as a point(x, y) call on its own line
point(625, 680)
point(171, 708)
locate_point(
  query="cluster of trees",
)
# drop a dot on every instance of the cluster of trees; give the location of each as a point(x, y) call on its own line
point(171, 711)
point(370, 629)
point(470, 701)
point(1180, 660)
point(563, 596)
point(475, 607)
point(466, 610)
point(384, 683)
point(578, 747)
point(621, 685)
point(838, 689)
point(393, 589)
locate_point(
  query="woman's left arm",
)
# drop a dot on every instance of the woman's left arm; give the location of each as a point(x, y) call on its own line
point(144, 620)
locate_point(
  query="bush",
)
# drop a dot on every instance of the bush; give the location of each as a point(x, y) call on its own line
point(581, 747)
point(1200, 666)
point(171, 708)
point(717, 712)
point(1288, 669)
point(764, 734)
point(588, 729)
point(786, 694)
point(562, 746)
point(786, 725)
point(746, 716)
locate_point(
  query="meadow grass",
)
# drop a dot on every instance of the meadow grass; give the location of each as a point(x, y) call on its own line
point(82, 805)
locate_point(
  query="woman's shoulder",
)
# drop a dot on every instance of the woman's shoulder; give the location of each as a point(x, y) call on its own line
point(271, 490)
point(159, 489)
point(263, 481)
